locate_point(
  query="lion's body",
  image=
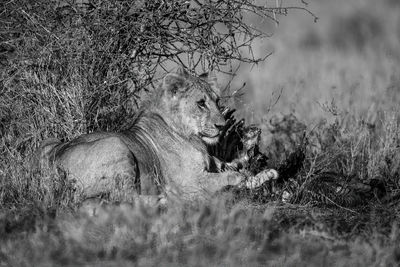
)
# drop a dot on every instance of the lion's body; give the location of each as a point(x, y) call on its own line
point(163, 151)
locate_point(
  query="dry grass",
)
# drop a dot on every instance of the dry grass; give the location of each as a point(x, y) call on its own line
point(337, 80)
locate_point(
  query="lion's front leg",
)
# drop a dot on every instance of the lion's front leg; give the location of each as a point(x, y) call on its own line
point(262, 177)
point(214, 182)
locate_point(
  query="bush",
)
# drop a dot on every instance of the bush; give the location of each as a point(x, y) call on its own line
point(72, 67)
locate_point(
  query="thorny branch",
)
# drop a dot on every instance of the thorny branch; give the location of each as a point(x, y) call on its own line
point(108, 42)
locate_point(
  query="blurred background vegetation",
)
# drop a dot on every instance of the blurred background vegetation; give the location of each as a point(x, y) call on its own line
point(350, 56)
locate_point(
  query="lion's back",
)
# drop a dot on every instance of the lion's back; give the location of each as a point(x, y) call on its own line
point(97, 162)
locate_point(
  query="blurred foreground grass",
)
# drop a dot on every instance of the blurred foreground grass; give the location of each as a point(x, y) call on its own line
point(209, 234)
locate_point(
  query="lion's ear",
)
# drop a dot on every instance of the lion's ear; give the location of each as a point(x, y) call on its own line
point(174, 83)
point(211, 78)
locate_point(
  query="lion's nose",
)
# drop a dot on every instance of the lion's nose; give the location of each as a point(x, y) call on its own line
point(219, 127)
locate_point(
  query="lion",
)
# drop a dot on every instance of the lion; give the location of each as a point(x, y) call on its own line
point(162, 152)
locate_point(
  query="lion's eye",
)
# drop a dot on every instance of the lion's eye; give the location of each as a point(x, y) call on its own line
point(202, 103)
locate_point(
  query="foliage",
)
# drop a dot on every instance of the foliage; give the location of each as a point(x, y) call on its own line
point(71, 67)
point(340, 207)
point(350, 163)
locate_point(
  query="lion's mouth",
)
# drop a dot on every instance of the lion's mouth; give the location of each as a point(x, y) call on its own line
point(210, 139)
point(209, 135)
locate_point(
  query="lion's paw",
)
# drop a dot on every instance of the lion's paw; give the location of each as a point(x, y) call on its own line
point(262, 177)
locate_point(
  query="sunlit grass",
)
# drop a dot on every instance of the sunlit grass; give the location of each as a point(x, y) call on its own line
point(344, 93)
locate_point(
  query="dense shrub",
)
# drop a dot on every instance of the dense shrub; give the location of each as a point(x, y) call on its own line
point(70, 67)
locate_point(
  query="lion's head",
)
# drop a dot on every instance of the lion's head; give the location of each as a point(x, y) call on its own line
point(189, 105)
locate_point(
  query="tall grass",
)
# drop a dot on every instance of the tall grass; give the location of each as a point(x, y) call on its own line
point(333, 85)
point(339, 79)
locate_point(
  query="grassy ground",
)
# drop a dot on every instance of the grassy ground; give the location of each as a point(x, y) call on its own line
point(210, 234)
point(337, 80)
